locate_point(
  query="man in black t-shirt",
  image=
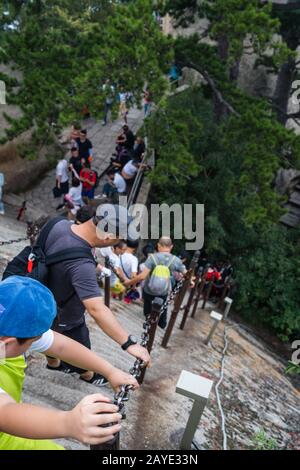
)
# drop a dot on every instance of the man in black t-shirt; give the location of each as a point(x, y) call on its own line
point(75, 161)
point(139, 149)
point(85, 146)
point(130, 138)
point(75, 288)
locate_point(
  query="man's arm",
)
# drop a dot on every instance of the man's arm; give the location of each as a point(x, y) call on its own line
point(84, 281)
point(106, 320)
point(82, 423)
point(139, 278)
point(74, 353)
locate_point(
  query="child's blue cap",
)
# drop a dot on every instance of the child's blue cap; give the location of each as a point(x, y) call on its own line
point(27, 308)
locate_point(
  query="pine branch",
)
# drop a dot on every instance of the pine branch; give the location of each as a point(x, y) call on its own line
point(210, 81)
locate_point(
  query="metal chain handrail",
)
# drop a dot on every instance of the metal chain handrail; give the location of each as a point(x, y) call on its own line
point(123, 395)
point(11, 242)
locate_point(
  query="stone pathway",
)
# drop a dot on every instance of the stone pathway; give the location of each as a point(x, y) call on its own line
point(103, 139)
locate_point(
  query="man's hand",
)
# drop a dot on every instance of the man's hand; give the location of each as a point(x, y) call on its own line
point(85, 420)
point(127, 283)
point(117, 378)
point(139, 352)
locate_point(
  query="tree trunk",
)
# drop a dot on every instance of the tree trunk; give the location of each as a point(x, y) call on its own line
point(220, 110)
point(283, 90)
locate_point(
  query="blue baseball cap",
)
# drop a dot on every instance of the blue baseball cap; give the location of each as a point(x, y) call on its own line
point(27, 307)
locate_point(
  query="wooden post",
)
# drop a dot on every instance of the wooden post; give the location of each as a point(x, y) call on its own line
point(189, 304)
point(224, 293)
point(216, 317)
point(198, 295)
point(198, 389)
point(179, 300)
point(155, 314)
point(207, 294)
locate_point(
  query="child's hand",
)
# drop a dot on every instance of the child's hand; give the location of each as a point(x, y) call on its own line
point(85, 420)
point(117, 378)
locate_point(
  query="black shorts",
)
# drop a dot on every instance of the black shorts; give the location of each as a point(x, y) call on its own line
point(64, 187)
point(80, 334)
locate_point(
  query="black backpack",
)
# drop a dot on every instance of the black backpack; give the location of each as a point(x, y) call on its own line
point(32, 261)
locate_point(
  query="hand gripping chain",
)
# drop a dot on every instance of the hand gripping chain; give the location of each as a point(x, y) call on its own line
point(123, 395)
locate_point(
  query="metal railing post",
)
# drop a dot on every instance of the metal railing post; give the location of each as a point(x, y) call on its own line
point(198, 294)
point(223, 295)
point(207, 294)
point(196, 388)
point(228, 302)
point(179, 300)
point(154, 317)
point(191, 298)
point(217, 318)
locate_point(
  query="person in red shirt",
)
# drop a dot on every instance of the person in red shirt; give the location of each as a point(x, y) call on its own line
point(88, 178)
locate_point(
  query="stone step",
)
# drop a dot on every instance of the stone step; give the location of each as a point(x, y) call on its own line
point(295, 198)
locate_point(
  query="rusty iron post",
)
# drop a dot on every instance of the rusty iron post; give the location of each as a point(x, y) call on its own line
point(207, 294)
point(190, 301)
point(198, 294)
point(154, 318)
point(179, 300)
point(223, 295)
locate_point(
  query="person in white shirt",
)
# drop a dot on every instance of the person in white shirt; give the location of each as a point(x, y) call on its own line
point(62, 179)
point(74, 198)
point(130, 169)
point(123, 111)
point(129, 265)
point(109, 92)
point(114, 253)
point(115, 184)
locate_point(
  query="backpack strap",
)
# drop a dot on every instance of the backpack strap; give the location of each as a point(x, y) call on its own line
point(153, 257)
point(68, 255)
point(171, 262)
point(123, 268)
point(46, 229)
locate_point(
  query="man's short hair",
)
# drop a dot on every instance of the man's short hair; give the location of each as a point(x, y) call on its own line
point(166, 242)
point(74, 149)
point(75, 182)
point(83, 131)
point(133, 243)
point(85, 213)
point(121, 244)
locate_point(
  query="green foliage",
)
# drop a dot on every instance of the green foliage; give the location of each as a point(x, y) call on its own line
point(235, 164)
point(293, 368)
point(66, 50)
point(262, 442)
point(239, 149)
point(232, 22)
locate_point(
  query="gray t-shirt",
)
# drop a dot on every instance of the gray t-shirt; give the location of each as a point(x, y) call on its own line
point(77, 277)
point(164, 259)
